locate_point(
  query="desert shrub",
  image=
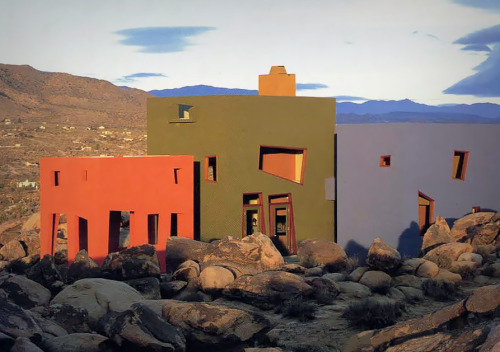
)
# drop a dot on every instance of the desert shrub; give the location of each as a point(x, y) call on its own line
point(298, 308)
point(373, 313)
point(440, 290)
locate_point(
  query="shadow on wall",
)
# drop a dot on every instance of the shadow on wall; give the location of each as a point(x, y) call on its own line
point(354, 249)
point(410, 241)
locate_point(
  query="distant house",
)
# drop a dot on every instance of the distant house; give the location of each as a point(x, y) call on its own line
point(393, 179)
point(93, 193)
point(262, 163)
point(27, 183)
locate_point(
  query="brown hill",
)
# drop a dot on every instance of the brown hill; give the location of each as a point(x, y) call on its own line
point(56, 114)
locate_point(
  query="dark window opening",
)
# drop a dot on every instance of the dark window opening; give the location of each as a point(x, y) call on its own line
point(83, 234)
point(176, 175)
point(287, 163)
point(85, 175)
point(252, 217)
point(173, 225)
point(252, 198)
point(385, 161)
point(153, 228)
point(211, 168)
point(184, 111)
point(56, 178)
point(460, 159)
point(119, 230)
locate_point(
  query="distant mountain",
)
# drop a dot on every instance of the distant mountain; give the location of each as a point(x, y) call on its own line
point(26, 92)
point(201, 90)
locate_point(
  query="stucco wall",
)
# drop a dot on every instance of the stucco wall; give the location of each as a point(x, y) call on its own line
point(383, 201)
point(233, 128)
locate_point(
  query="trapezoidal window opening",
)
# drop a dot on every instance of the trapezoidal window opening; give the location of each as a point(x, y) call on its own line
point(184, 111)
point(211, 168)
point(283, 162)
point(460, 159)
point(385, 161)
point(57, 178)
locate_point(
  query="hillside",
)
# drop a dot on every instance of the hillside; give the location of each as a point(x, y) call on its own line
point(56, 114)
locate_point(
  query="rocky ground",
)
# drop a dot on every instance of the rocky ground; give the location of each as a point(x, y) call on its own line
point(242, 295)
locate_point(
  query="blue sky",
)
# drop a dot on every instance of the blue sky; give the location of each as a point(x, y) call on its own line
point(430, 51)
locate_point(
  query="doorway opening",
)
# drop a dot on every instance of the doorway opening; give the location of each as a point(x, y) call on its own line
point(281, 221)
point(252, 215)
point(83, 236)
point(425, 212)
point(153, 228)
point(119, 230)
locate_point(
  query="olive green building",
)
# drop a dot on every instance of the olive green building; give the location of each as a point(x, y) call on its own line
point(262, 163)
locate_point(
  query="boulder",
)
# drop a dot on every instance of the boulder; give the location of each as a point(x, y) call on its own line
point(215, 278)
point(470, 257)
point(320, 252)
point(460, 226)
point(483, 234)
point(437, 234)
point(49, 327)
point(172, 288)
point(357, 273)
point(33, 222)
point(492, 270)
point(148, 287)
point(6, 342)
point(427, 269)
point(464, 268)
point(293, 268)
point(315, 271)
point(407, 280)
point(46, 273)
point(78, 342)
point(446, 254)
point(376, 281)
point(98, 297)
point(396, 294)
point(12, 250)
point(492, 343)
point(25, 292)
point(251, 255)
point(334, 277)
point(448, 277)
point(210, 324)
point(412, 294)
point(83, 267)
point(267, 289)
point(410, 266)
point(70, 318)
point(354, 289)
point(30, 240)
point(15, 322)
point(24, 344)
point(140, 329)
point(22, 265)
point(382, 257)
point(132, 263)
point(187, 271)
point(483, 300)
point(180, 249)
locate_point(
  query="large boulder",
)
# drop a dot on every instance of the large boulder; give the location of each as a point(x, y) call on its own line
point(460, 226)
point(250, 255)
point(33, 222)
point(180, 249)
point(24, 344)
point(25, 292)
point(211, 324)
point(319, 252)
point(354, 289)
point(172, 288)
point(12, 250)
point(148, 287)
point(267, 289)
point(215, 278)
point(484, 300)
point(383, 257)
point(187, 271)
point(140, 328)
point(427, 269)
point(446, 254)
point(14, 321)
point(30, 240)
point(132, 263)
point(78, 342)
point(98, 297)
point(483, 234)
point(83, 267)
point(376, 281)
point(46, 273)
point(70, 318)
point(437, 234)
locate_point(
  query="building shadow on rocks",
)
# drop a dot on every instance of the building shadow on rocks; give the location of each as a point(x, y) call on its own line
point(354, 250)
point(410, 241)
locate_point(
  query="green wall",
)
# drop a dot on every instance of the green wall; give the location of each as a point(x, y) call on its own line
point(233, 128)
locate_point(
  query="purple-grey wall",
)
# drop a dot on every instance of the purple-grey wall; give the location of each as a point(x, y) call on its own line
point(374, 201)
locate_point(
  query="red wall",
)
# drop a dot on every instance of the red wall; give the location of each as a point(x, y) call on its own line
point(91, 187)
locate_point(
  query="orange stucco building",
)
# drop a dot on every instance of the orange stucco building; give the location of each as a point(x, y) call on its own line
point(94, 192)
point(278, 82)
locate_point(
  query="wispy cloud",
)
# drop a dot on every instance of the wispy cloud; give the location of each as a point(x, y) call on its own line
point(161, 39)
point(485, 82)
point(425, 34)
point(482, 4)
point(349, 98)
point(133, 77)
point(306, 86)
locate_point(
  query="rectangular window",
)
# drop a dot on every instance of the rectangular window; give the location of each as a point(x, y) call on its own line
point(385, 161)
point(173, 225)
point(85, 175)
point(56, 178)
point(287, 163)
point(211, 168)
point(176, 175)
point(153, 228)
point(460, 159)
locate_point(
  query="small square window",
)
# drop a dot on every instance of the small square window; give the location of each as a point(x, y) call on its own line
point(184, 111)
point(211, 168)
point(385, 161)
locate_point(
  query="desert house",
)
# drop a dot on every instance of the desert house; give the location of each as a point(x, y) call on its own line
point(393, 179)
point(262, 163)
point(156, 192)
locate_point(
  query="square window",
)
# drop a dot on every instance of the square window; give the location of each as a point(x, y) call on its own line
point(385, 161)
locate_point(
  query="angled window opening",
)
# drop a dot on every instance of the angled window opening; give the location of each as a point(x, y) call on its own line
point(425, 212)
point(184, 112)
point(57, 178)
point(153, 228)
point(385, 161)
point(283, 162)
point(460, 159)
point(211, 168)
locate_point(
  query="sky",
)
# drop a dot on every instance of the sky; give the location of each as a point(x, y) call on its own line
point(430, 51)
